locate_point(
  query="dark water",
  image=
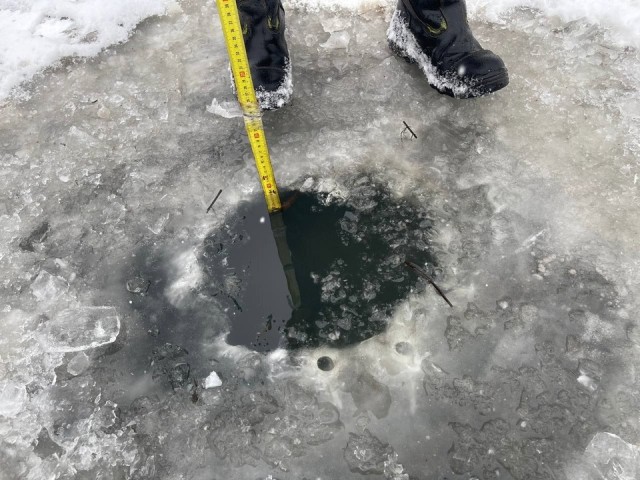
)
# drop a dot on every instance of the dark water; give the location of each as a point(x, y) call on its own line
point(348, 261)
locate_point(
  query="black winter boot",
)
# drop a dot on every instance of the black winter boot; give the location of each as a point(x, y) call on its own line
point(263, 30)
point(435, 35)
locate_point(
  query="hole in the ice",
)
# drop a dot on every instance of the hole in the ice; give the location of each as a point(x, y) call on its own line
point(347, 257)
point(404, 348)
point(325, 364)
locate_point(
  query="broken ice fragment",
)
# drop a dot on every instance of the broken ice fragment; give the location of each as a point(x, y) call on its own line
point(212, 381)
point(613, 457)
point(225, 109)
point(47, 287)
point(78, 329)
point(365, 454)
point(78, 364)
point(588, 382)
point(12, 399)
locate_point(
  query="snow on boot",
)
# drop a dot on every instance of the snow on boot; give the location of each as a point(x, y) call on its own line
point(263, 31)
point(435, 35)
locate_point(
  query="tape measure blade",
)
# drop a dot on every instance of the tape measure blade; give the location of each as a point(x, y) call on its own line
point(234, 40)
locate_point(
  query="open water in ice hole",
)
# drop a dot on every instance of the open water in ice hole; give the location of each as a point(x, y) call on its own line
point(348, 262)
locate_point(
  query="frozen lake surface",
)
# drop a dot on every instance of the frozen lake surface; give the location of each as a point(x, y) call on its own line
point(113, 360)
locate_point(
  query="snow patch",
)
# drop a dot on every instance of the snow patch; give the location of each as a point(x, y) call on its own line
point(36, 34)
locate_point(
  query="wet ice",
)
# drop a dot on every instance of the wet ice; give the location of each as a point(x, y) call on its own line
point(107, 173)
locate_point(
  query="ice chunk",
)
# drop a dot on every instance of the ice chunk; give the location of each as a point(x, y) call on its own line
point(366, 454)
point(47, 287)
point(225, 109)
point(78, 364)
point(12, 398)
point(212, 381)
point(613, 458)
point(588, 382)
point(394, 470)
point(78, 329)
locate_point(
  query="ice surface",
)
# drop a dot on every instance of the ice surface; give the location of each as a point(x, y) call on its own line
point(81, 328)
point(109, 164)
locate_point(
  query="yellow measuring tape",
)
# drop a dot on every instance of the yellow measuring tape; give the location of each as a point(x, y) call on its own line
point(230, 20)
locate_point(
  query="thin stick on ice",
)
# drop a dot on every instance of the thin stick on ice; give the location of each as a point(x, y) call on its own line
point(424, 275)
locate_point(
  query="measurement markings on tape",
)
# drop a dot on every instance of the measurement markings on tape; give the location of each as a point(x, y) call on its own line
point(232, 29)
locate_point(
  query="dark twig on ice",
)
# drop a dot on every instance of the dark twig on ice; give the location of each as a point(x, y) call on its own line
point(407, 127)
point(214, 201)
point(424, 275)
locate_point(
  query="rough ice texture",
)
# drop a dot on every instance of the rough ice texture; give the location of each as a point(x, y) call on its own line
point(613, 458)
point(82, 328)
point(12, 398)
point(36, 34)
point(620, 17)
point(512, 179)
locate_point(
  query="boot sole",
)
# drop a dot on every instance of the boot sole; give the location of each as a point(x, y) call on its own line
point(403, 43)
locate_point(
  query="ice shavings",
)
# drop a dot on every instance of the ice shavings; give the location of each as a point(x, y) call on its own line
point(40, 33)
point(78, 329)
